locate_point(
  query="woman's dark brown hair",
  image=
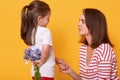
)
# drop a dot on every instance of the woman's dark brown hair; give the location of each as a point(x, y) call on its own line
point(97, 26)
point(29, 16)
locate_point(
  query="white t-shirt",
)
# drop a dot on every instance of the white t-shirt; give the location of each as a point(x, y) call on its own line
point(43, 36)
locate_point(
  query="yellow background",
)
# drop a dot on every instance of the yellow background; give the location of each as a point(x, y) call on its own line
point(63, 25)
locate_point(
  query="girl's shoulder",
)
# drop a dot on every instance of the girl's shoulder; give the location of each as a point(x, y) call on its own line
point(43, 30)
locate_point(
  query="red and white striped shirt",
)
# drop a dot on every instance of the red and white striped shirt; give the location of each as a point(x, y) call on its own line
point(102, 66)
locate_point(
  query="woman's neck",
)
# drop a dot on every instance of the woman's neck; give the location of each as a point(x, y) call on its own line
point(89, 39)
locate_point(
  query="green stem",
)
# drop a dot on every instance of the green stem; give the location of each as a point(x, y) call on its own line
point(37, 73)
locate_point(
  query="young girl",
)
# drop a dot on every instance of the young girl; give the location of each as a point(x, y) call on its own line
point(34, 20)
point(97, 58)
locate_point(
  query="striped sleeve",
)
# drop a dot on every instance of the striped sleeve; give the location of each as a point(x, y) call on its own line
point(107, 68)
point(114, 75)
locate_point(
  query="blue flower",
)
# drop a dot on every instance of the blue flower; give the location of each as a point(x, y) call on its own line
point(32, 54)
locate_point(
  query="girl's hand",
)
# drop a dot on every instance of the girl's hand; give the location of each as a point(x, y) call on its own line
point(37, 62)
point(60, 61)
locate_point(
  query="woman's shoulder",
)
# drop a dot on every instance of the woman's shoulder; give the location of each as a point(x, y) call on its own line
point(104, 51)
point(105, 46)
point(83, 46)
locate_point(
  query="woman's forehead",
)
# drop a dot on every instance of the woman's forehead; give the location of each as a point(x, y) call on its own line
point(82, 16)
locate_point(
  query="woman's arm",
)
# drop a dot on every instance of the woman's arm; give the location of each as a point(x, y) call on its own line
point(107, 66)
point(74, 75)
point(64, 67)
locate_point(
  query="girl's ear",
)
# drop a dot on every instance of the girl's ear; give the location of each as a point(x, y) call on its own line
point(39, 20)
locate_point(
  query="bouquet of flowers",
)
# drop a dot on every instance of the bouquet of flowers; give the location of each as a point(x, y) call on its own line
point(32, 54)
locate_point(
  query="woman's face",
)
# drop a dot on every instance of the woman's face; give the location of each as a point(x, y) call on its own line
point(83, 30)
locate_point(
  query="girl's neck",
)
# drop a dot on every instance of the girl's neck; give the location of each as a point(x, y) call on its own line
point(40, 25)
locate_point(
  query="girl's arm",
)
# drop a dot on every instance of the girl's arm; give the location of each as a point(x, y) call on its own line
point(44, 56)
point(45, 53)
point(46, 46)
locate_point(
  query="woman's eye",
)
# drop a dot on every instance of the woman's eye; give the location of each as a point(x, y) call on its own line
point(83, 21)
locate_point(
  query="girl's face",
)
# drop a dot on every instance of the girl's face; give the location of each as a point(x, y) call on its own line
point(44, 20)
point(83, 30)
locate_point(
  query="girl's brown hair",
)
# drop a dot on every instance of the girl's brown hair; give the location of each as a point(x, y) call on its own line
point(29, 17)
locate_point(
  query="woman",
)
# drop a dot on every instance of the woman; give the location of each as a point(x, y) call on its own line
point(97, 58)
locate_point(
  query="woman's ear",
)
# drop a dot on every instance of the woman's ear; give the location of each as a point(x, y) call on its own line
point(39, 20)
